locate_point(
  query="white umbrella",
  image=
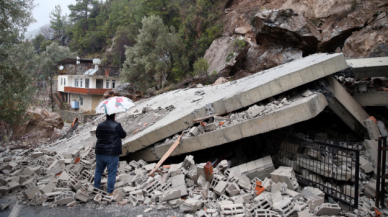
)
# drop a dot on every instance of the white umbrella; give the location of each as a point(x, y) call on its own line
point(114, 105)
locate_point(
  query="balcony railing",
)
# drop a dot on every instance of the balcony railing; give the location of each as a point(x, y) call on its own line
point(113, 74)
point(90, 91)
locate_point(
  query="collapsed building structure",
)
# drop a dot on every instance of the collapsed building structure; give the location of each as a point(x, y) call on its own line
point(295, 179)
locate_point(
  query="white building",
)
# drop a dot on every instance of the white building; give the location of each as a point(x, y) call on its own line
point(85, 83)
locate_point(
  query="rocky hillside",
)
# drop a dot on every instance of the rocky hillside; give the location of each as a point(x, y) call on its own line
point(277, 32)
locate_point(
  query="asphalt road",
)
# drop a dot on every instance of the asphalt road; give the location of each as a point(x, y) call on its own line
point(82, 210)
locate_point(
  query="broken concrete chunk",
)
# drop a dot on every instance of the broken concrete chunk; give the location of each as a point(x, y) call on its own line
point(284, 207)
point(190, 205)
point(232, 209)
point(38, 199)
point(82, 195)
point(170, 195)
point(254, 111)
point(327, 209)
point(97, 199)
point(287, 175)
point(373, 130)
point(65, 198)
point(312, 192)
point(383, 130)
point(314, 202)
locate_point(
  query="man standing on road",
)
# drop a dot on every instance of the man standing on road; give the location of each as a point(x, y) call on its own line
point(108, 148)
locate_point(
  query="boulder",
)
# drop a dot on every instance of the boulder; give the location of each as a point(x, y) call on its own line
point(41, 124)
point(260, 58)
point(224, 53)
point(370, 41)
point(286, 28)
point(335, 33)
point(128, 90)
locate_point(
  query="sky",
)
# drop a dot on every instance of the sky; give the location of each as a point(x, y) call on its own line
point(43, 9)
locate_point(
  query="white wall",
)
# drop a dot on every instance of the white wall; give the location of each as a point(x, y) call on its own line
point(63, 78)
point(87, 101)
point(92, 82)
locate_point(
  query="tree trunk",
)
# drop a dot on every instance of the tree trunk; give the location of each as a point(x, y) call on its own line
point(51, 90)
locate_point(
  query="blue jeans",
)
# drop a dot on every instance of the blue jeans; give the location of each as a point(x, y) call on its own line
point(111, 162)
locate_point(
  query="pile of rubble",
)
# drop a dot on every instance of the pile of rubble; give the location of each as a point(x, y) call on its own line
point(255, 188)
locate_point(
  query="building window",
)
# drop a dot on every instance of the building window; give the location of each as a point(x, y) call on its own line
point(113, 83)
point(107, 83)
point(81, 101)
point(61, 81)
point(76, 82)
point(64, 81)
point(80, 82)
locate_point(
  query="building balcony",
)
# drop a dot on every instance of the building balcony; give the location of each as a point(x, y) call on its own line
point(89, 91)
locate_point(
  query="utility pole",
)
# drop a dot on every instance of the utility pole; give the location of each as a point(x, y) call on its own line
point(51, 90)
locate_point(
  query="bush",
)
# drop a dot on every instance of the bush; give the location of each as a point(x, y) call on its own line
point(240, 43)
point(201, 66)
point(229, 56)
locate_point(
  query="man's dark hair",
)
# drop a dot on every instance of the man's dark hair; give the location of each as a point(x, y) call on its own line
point(112, 116)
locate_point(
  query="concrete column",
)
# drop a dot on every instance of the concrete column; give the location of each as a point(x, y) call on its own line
point(347, 108)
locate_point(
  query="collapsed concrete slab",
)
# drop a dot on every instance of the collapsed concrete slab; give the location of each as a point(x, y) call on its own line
point(347, 109)
point(227, 97)
point(369, 67)
point(300, 110)
point(372, 99)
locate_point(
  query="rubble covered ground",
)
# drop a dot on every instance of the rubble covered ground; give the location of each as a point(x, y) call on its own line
point(304, 156)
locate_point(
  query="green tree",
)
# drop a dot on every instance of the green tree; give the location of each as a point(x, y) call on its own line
point(49, 58)
point(201, 67)
point(17, 67)
point(158, 55)
point(199, 27)
point(37, 41)
point(58, 21)
point(44, 45)
point(82, 11)
point(54, 52)
point(15, 17)
point(17, 60)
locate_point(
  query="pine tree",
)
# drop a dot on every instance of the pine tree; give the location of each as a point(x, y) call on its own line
point(80, 12)
point(57, 20)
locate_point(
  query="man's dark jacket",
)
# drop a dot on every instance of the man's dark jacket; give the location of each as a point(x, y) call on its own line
point(109, 134)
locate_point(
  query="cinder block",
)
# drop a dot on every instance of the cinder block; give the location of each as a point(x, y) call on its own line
point(312, 192)
point(327, 209)
point(287, 175)
point(170, 195)
point(220, 187)
point(314, 202)
point(65, 198)
point(232, 209)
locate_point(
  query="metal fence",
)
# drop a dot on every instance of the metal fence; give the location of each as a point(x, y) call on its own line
point(381, 175)
point(330, 167)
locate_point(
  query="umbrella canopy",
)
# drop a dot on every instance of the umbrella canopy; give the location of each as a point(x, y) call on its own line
point(114, 105)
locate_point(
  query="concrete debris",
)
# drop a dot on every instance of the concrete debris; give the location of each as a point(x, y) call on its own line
point(4, 206)
point(286, 175)
point(255, 188)
point(309, 192)
point(219, 187)
point(327, 209)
